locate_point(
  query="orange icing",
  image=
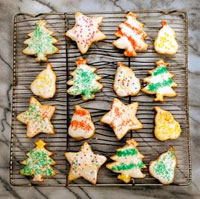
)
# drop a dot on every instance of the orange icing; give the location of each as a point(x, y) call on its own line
point(81, 112)
point(80, 124)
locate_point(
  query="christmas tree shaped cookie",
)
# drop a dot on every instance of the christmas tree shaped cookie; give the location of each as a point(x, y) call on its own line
point(45, 83)
point(125, 82)
point(86, 31)
point(131, 36)
point(85, 81)
point(163, 168)
point(165, 42)
point(41, 42)
point(160, 82)
point(37, 118)
point(84, 164)
point(128, 162)
point(38, 164)
point(122, 118)
point(81, 126)
point(166, 126)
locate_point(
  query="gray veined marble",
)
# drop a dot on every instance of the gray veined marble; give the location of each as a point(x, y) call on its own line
point(9, 8)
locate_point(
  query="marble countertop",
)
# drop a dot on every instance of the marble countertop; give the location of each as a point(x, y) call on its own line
point(9, 8)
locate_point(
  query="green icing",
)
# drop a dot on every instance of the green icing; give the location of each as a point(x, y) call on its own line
point(123, 166)
point(160, 70)
point(38, 163)
point(84, 83)
point(156, 86)
point(163, 83)
point(41, 41)
point(126, 152)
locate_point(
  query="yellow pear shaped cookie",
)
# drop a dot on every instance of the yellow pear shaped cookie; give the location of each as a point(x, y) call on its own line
point(45, 83)
point(166, 126)
point(165, 42)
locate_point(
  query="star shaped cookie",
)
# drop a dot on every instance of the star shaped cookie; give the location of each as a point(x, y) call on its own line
point(37, 118)
point(84, 164)
point(122, 118)
point(86, 31)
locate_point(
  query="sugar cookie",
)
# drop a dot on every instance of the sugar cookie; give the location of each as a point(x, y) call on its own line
point(166, 126)
point(128, 162)
point(37, 118)
point(41, 42)
point(44, 85)
point(131, 36)
point(85, 81)
point(122, 118)
point(160, 82)
point(38, 164)
point(165, 42)
point(81, 126)
point(84, 164)
point(86, 31)
point(163, 168)
point(125, 82)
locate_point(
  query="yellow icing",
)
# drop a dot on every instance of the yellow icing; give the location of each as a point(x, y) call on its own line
point(40, 144)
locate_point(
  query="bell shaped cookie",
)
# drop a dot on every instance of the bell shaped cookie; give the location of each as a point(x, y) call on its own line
point(165, 42)
point(45, 83)
point(126, 83)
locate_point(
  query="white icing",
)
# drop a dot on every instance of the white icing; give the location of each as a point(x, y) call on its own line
point(125, 120)
point(134, 22)
point(123, 43)
point(84, 164)
point(134, 35)
point(165, 90)
point(125, 82)
point(45, 83)
point(130, 39)
point(170, 46)
point(86, 31)
point(87, 129)
point(170, 163)
point(159, 78)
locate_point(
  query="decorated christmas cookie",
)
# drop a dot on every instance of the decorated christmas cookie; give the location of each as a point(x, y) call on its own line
point(37, 118)
point(165, 42)
point(122, 118)
point(160, 82)
point(166, 126)
point(125, 82)
point(41, 42)
point(85, 80)
point(45, 83)
point(84, 164)
point(163, 168)
point(131, 36)
point(86, 31)
point(81, 126)
point(38, 164)
point(128, 162)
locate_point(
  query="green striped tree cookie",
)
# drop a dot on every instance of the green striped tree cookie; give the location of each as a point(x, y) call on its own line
point(128, 162)
point(160, 82)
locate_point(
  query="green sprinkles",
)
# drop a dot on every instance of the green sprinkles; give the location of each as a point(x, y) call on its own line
point(41, 41)
point(84, 83)
point(156, 86)
point(123, 166)
point(164, 167)
point(38, 163)
point(127, 152)
point(160, 70)
point(33, 114)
